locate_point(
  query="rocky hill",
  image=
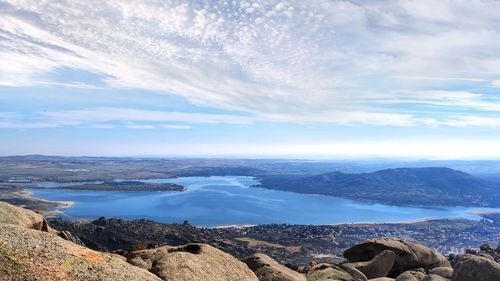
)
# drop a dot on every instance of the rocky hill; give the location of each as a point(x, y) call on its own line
point(32, 250)
point(401, 186)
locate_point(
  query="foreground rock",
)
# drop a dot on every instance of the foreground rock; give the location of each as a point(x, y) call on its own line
point(10, 214)
point(408, 255)
point(192, 262)
point(445, 272)
point(476, 268)
point(434, 277)
point(267, 269)
point(330, 272)
point(411, 276)
point(27, 254)
point(378, 267)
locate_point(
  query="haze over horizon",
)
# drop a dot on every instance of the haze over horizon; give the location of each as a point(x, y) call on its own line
point(309, 79)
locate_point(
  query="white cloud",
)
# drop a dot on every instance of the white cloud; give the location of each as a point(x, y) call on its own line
point(177, 127)
point(22, 125)
point(110, 114)
point(103, 126)
point(495, 83)
point(300, 61)
point(144, 126)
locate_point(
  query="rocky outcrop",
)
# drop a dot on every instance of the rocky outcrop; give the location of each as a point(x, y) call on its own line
point(408, 255)
point(31, 250)
point(377, 267)
point(476, 268)
point(329, 272)
point(444, 272)
point(434, 277)
point(10, 214)
point(411, 276)
point(27, 254)
point(267, 269)
point(192, 262)
point(66, 235)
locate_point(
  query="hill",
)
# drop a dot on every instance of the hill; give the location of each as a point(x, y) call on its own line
point(401, 186)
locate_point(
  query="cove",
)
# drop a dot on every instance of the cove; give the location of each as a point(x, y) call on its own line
point(230, 200)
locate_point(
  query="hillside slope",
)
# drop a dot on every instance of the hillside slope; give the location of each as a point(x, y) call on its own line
point(401, 186)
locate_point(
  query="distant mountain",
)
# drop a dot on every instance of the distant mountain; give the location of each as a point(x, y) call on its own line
point(401, 186)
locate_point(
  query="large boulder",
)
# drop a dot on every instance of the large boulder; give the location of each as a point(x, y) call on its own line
point(329, 272)
point(11, 214)
point(192, 262)
point(445, 272)
point(411, 276)
point(27, 254)
point(408, 255)
point(358, 275)
point(378, 267)
point(66, 235)
point(476, 268)
point(434, 277)
point(267, 269)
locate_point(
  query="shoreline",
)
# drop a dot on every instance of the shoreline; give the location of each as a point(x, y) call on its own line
point(25, 194)
point(61, 205)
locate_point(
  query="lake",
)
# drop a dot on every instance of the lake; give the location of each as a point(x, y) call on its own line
point(229, 200)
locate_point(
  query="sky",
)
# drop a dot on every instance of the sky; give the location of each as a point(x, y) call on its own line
point(298, 79)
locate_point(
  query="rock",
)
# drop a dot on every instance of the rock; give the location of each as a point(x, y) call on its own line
point(66, 235)
point(329, 272)
point(453, 259)
point(267, 269)
point(411, 275)
point(292, 266)
point(486, 248)
point(470, 251)
point(486, 256)
point(191, 262)
point(408, 255)
point(11, 214)
point(382, 279)
point(434, 277)
point(27, 254)
point(378, 267)
point(445, 272)
point(407, 276)
point(476, 268)
point(358, 275)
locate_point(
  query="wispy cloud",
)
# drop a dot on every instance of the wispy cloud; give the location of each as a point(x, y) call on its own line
point(110, 114)
point(176, 127)
point(298, 61)
point(135, 126)
point(26, 125)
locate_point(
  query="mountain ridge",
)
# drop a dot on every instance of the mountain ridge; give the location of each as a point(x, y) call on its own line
point(438, 186)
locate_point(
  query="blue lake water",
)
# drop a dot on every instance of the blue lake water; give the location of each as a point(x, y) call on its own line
point(213, 201)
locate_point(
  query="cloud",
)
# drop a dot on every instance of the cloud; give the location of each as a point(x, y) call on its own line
point(135, 126)
point(495, 83)
point(111, 114)
point(21, 125)
point(301, 61)
point(176, 127)
point(102, 126)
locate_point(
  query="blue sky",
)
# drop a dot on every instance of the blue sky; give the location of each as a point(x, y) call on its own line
point(314, 79)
